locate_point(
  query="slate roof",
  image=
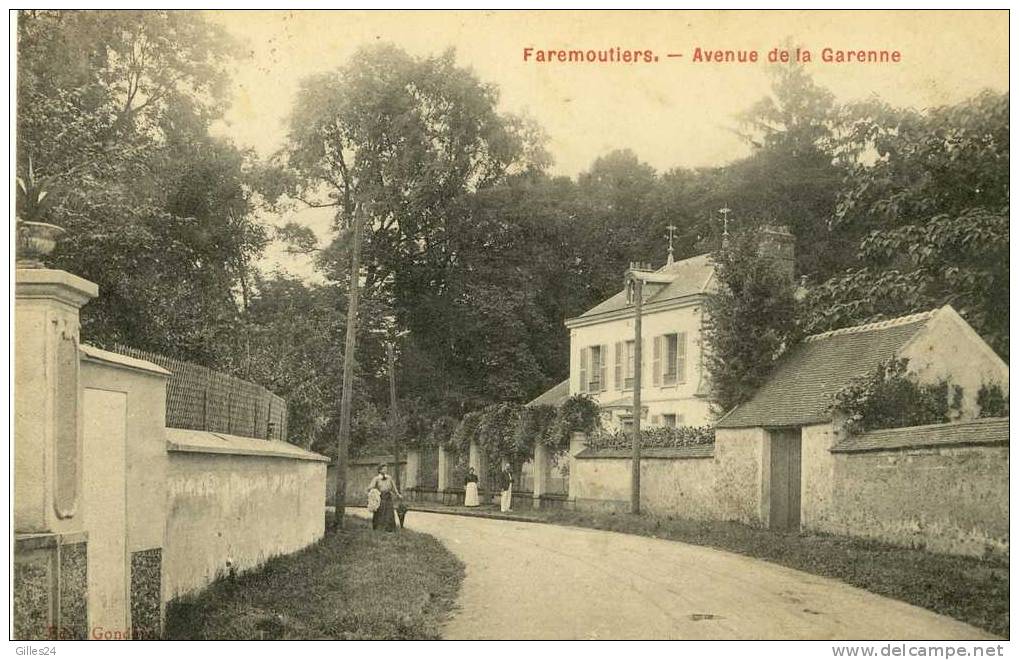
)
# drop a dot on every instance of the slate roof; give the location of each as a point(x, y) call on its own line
point(554, 396)
point(990, 431)
point(687, 277)
point(799, 389)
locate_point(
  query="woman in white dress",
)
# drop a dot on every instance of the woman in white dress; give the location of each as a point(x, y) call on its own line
point(471, 488)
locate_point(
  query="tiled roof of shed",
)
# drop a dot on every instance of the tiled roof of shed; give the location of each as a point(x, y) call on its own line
point(554, 396)
point(799, 390)
point(990, 431)
point(688, 276)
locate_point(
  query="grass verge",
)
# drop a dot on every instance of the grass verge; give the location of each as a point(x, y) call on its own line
point(355, 585)
point(965, 588)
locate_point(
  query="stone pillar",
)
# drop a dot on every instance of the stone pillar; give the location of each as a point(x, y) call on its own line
point(413, 466)
point(47, 400)
point(445, 470)
point(578, 442)
point(539, 474)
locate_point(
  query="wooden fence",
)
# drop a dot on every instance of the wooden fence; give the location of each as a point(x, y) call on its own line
point(201, 399)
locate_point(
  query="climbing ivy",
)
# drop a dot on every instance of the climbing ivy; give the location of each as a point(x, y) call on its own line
point(888, 398)
point(509, 431)
point(992, 401)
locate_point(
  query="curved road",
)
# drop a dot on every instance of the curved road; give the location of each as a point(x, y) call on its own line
point(536, 581)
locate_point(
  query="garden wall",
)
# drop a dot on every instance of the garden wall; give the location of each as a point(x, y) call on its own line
point(942, 487)
point(679, 482)
point(360, 471)
point(236, 502)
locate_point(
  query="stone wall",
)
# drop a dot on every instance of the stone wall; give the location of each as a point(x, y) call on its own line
point(739, 482)
point(676, 482)
point(125, 465)
point(50, 590)
point(817, 473)
point(360, 471)
point(233, 503)
point(950, 497)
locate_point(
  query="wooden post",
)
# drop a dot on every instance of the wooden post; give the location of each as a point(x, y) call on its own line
point(638, 298)
point(394, 417)
point(349, 346)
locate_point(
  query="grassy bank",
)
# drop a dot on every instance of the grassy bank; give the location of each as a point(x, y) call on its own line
point(357, 585)
point(968, 589)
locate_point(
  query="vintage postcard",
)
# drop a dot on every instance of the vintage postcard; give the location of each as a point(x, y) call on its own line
point(512, 325)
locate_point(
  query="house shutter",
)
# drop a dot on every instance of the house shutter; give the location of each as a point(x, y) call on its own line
point(681, 357)
point(643, 361)
point(620, 347)
point(655, 420)
point(656, 368)
point(603, 360)
point(583, 369)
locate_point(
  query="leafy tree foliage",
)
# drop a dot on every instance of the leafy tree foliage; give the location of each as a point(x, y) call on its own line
point(750, 320)
point(933, 212)
point(114, 109)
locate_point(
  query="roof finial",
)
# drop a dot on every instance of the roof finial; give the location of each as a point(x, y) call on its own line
point(725, 211)
point(672, 230)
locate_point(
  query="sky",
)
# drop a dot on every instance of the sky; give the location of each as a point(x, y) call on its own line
point(672, 112)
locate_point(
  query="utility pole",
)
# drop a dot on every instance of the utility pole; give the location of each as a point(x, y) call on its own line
point(349, 346)
point(638, 298)
point(394, 416)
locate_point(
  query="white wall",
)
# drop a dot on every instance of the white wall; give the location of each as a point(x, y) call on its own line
point(949, 348)
point(679, 399)
point(236, 499)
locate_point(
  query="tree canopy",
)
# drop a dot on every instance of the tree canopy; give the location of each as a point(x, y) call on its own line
point(474, 254)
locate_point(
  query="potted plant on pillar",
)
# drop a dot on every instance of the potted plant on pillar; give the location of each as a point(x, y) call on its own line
point(36, 238)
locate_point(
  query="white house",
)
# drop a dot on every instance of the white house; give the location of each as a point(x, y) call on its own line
point(674, 386)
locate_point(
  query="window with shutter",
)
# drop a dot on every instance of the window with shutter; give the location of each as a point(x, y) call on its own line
point(629, 366)
point(656, 361)
point(643, 362)
point(681, 357)
point(619, 365)
point(583, 369)
point(669, 357)
point(603, 363)
point(669, 421)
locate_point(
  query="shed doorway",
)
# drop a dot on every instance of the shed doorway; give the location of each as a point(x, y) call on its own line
point(784, 480)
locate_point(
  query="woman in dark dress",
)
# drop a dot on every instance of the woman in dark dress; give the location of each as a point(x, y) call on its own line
point(385, 516)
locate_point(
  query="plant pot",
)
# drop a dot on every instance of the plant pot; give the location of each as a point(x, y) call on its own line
point(36, 240)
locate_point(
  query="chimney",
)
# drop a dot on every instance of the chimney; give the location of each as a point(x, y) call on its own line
point(780, 246)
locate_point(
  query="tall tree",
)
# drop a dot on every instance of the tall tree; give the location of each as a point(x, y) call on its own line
point(409, 141)
point(114, 109)
point(928, 193)
point(750, 320)
point(792, 177)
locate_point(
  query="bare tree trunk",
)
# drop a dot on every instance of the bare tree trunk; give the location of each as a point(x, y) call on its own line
point(349, 348)
point(394, 416)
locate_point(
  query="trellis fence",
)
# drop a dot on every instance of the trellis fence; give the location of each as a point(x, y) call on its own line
point(201, 399)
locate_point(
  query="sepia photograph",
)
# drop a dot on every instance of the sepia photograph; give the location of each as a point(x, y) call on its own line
point(510, 324)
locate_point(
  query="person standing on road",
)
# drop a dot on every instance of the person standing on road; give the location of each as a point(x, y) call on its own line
point(385, 516)
point(506, 485)
point(471, 488)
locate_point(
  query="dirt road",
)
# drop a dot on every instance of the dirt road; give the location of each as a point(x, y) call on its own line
point(534, 581)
